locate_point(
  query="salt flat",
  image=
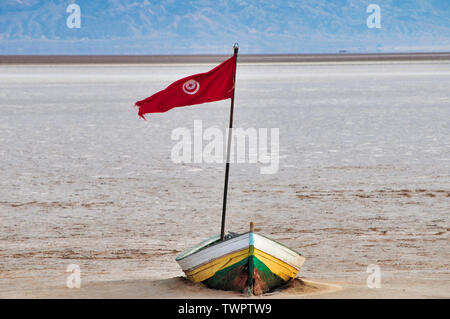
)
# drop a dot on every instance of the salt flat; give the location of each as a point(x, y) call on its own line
point(364, 174)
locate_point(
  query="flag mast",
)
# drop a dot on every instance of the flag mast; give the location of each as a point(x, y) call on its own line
point(227, 165)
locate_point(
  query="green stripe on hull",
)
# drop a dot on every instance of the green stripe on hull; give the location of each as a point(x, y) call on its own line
point(251, 267)
point(230, 278)
point(264, 280)
point(236, 277)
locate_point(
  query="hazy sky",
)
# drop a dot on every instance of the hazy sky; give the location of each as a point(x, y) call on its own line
point(190, 27)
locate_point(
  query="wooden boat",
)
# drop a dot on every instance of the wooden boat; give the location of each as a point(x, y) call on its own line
point(249, 262)
point(246, 262)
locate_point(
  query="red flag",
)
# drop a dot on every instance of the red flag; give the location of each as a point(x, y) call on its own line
point(211, 86)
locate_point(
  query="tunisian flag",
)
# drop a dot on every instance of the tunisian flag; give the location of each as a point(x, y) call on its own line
point(211, 86)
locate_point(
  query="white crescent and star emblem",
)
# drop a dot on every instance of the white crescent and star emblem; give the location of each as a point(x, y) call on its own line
point(191, 87)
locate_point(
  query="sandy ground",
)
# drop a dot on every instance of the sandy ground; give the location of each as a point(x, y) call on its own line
point(180, 287)
point(364, 178)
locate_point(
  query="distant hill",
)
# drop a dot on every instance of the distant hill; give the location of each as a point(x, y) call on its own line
point(198, 27)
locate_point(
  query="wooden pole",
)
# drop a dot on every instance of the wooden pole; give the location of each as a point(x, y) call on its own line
point(227, 165)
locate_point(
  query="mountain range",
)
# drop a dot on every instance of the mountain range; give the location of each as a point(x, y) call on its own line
point(211, 27)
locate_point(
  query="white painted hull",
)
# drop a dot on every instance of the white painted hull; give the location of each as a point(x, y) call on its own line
point(202, 256)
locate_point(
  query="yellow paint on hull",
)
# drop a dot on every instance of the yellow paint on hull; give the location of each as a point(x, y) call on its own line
point(278, 267)
point(208, 270)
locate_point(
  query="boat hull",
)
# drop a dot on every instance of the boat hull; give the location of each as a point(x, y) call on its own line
point(249, 263)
